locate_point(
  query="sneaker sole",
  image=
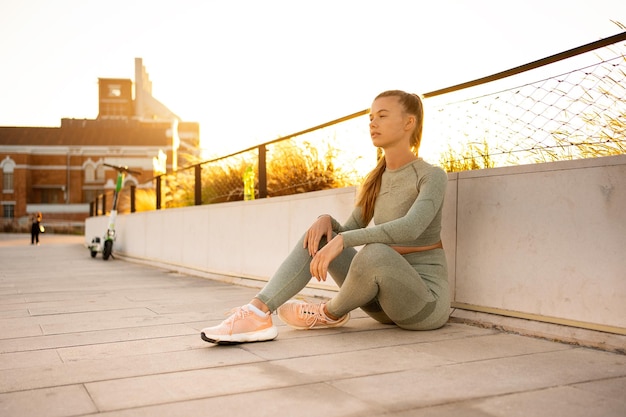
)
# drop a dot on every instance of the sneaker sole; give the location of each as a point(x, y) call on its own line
point(236, 339)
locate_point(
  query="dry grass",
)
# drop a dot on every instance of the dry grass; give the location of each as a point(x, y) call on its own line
point(291, 169)
point(474, 156)
point(300, 169)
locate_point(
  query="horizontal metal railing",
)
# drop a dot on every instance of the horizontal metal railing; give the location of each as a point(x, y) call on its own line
point(521, 124)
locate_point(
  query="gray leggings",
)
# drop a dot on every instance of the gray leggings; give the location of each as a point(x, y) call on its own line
point(410, 291)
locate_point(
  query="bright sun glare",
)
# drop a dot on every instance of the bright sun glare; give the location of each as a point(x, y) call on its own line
point(249, 80)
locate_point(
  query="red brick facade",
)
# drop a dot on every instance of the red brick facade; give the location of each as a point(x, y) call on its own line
point(59, 171)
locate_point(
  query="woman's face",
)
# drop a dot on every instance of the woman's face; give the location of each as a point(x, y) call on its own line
point(389, 125)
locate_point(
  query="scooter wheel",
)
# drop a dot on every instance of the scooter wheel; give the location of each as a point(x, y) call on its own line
point(93, 253)
point(108, 248)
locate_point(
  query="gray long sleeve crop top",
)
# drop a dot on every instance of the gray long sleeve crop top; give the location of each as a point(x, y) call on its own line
point(407, 211)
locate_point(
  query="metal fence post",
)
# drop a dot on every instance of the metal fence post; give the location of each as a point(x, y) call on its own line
point(158, 192)
point(198, 185)
point(262, 172)
point(132, 198)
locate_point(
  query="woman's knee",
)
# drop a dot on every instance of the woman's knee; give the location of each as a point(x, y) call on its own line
point(371, 255)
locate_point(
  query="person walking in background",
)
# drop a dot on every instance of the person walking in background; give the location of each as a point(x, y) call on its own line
point(35, 228)
point(398, 277)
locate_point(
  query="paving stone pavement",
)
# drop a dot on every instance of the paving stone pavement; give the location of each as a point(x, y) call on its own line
point(82, 336)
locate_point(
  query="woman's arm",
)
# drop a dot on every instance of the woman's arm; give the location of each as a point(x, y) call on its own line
point(355, 221)
point(325, 225)
point(409, 227)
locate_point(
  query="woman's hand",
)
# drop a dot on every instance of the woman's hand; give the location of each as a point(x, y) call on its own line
point(322, 227)
point(323, 258)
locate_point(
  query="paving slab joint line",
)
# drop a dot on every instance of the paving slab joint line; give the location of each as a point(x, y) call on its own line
point(93, 402)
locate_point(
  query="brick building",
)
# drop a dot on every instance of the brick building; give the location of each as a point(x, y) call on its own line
point(58, 171)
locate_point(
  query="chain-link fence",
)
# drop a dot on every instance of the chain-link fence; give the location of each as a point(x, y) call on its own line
point(579, 113)
point(571, 105)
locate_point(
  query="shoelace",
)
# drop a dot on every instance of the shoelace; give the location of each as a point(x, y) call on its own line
point(236, 313)
point(311, 314)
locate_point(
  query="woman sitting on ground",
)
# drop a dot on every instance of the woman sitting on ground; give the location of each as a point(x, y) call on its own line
point(398, 277)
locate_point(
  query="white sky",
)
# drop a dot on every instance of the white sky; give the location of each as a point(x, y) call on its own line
point(251, 70)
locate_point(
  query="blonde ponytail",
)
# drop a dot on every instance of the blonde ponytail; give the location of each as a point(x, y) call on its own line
point(371, 186)
point(370, 189)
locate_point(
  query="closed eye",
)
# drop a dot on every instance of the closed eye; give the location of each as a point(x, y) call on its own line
point(381, 114)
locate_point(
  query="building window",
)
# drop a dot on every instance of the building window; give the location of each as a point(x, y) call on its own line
point(51, 196)
point(115, 90)
point(115, 109)
point(93, 171)
point(100, 172)
point(90, 173)
point(7, 182)
point(8, 166)
point(8, 211)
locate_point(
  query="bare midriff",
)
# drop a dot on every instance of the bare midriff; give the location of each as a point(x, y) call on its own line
point(404, 250)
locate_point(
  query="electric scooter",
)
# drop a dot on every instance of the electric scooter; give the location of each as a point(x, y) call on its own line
point(105, 244)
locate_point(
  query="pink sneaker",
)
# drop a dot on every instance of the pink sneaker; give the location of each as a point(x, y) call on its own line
point(301, 315)
point(241, 327)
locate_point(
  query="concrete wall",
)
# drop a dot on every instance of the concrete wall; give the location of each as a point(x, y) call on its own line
point(548, 240)
point(543, 242)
